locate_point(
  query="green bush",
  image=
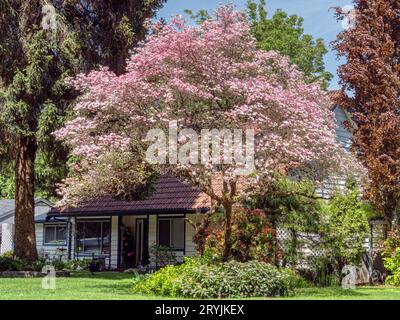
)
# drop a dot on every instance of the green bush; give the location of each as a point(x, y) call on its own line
point(347, 226)
point(392, 264)
point(77, 264)
point(199, 279)
point(162, 282)
point(6, 263)
point(59, 265)
point(38, 265)
point(9, 263)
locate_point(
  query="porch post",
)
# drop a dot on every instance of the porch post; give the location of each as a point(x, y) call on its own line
point(69, 237)
point(119, 242)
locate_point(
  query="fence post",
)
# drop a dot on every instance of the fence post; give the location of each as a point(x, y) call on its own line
point(7, 238)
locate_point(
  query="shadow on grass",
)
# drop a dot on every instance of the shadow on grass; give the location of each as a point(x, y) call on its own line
point(107, 275)
point(329, 292)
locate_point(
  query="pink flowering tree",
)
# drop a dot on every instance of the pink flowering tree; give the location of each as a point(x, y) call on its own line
point(210, 76)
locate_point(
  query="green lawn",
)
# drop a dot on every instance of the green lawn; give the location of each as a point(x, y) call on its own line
point(337, 293)
point(118, 286)
point(80, 286)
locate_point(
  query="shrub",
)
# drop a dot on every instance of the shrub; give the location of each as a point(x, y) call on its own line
point(253, 237)
point(162, 282)
point(346, 227)
point(7, 263)
point(199, 279)
point(391, 256)
point(162, 256)
point(391, 243)
point(8, 254)
point(77, 264)
point(38, 265)
point(392, 264)
point(59, 264)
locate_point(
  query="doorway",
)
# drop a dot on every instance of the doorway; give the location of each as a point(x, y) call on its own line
point(141, 242)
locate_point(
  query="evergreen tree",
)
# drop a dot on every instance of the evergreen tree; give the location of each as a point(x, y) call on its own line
point(41, 44)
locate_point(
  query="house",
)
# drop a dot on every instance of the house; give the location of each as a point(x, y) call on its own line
point(344, 136)
point(121, 233)
point(45, 245)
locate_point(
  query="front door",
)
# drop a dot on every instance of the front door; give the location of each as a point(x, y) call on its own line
point(141, 243)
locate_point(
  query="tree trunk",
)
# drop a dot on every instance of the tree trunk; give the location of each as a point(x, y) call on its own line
point(228, 232)
point(25, 239)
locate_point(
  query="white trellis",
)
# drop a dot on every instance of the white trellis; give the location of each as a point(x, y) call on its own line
point(6, 237)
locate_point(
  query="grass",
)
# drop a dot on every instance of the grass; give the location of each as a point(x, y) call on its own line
point(79, 286)
point(118, 286)
point(337, 293)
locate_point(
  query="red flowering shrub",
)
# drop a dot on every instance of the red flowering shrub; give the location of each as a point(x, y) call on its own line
point(253, 237)
point(391, 243)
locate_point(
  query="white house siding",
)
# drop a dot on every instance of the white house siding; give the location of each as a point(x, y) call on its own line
point(190, 250)
point(152, 230)
point(114, 242)
point(344, 136)
point(153, 220)
point(42, 207)
point(190, 247)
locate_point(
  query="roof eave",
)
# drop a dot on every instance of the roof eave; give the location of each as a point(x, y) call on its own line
point(127, 212)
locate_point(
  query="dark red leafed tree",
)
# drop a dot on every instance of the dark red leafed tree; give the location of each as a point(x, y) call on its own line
point(370, 83)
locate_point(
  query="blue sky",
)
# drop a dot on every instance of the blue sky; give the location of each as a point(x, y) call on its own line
point(318, 15)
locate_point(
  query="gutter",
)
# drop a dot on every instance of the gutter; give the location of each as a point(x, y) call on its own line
point(117, 213)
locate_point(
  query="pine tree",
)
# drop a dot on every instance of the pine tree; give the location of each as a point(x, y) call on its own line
point(41, 44)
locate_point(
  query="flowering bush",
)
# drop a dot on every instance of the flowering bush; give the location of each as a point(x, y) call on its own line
point(253, 237)
point(391, 243)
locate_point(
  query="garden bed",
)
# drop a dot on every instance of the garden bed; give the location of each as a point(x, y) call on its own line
point(31, 274)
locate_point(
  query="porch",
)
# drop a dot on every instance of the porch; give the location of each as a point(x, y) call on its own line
point(131, 241)
point(123, 234)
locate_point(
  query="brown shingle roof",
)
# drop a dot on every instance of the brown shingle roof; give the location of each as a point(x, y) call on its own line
point(170, 195)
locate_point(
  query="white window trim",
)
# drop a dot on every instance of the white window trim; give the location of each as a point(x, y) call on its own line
point(54, 226)
point(171, 231)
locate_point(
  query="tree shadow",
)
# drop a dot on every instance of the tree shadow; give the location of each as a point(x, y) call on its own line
point(106, 275)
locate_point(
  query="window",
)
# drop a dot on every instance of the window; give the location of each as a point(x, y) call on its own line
point(93, 238)
point(55, 234)
point(171, 233)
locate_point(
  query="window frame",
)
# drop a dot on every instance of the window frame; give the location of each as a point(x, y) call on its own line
point(55, 226)
point(81, 254)
point(170, 219)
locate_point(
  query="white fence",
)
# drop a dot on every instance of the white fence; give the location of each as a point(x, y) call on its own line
point(6, 237)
